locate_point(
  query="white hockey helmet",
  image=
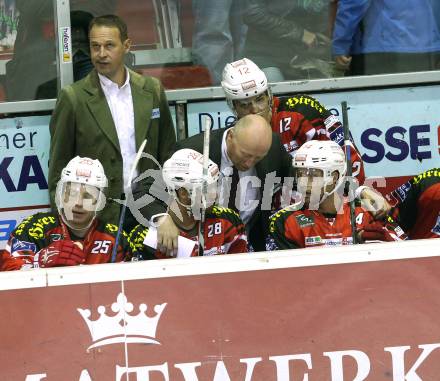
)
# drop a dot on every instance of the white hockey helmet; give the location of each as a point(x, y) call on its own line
point(81, 171)
point(326, 156)
point(85, 171)
point(184, 169)
point(243, 79)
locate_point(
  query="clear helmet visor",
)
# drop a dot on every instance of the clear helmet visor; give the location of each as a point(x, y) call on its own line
point(311, 185)
point(78, 203)
point(259, 105)
point(194, 199)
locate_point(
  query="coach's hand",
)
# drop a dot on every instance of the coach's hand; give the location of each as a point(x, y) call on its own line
point(167, 233)
point(60, 253)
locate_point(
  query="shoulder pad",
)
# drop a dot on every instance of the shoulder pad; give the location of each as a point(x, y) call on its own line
point(40, 223)
point(136, 236)
point(221, 212)
point(279, 217)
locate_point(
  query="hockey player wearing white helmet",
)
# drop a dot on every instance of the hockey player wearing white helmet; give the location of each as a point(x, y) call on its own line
point(320, 170)
point(246, 89)
point(223, 231)
point(322, 215)
point(74, 235)
point(247, 155)
point(80, 193)
point(297, 119)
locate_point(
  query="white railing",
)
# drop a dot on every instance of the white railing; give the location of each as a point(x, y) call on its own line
point(218, 264)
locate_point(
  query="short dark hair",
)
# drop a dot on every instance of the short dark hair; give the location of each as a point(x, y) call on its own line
point(111, 21)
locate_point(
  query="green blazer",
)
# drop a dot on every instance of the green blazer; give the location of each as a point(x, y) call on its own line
point(82, 125)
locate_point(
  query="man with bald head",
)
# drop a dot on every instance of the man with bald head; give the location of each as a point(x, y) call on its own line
point(246, 153)
point(248, 142)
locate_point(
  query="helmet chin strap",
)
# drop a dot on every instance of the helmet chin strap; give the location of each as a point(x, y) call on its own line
point(327, 194)
point(261, 113)
point(188, 208)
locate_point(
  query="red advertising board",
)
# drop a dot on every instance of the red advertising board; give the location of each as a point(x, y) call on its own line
point(290, 317)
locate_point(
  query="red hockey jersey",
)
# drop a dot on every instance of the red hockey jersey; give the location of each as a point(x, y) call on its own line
point(308, 228)
point(300, 118)
point(416, 205)
point(224, 233)
point(40, 230)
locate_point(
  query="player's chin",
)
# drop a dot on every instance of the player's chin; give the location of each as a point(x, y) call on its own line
point(81, 219)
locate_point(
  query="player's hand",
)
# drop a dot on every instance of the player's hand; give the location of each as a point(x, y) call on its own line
point(374, 231)
point(61, 253)
point(342, 62)
point(375, 203)
point(167, 233)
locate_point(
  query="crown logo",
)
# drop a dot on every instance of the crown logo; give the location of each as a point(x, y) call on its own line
point(123, 327)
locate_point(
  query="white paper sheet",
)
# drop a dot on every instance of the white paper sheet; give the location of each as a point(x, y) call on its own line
point(185, 246)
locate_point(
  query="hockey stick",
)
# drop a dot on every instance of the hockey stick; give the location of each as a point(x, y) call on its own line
point(347, 144)
point(124, 206)
point(206, 137)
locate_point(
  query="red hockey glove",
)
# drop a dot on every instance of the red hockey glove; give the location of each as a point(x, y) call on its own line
point(376, 231)
point(61, 253)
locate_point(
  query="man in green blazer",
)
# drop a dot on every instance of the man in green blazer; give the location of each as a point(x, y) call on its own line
point(108, 114)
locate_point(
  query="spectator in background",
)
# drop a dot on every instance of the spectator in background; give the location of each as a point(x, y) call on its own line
point(108, 114)
point(32, 72)
point(287, 38)
point(386, 36)
point(218, 34)
point(82, 63)
point(73, 235)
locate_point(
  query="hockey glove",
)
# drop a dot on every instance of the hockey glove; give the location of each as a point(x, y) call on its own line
point(375, 231)
point(60, 253)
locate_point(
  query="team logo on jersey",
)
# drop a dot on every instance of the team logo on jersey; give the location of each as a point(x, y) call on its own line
point(402, 191)
point(56, 237)
point(304, 221)
point(270, 244)
point(335, 242)
point(291, 147)
point(18, 246)
point(313, 241)
point(436, 228)
point(331, 121)
point(337, 136)
point(347, 240)
point(216, 250)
